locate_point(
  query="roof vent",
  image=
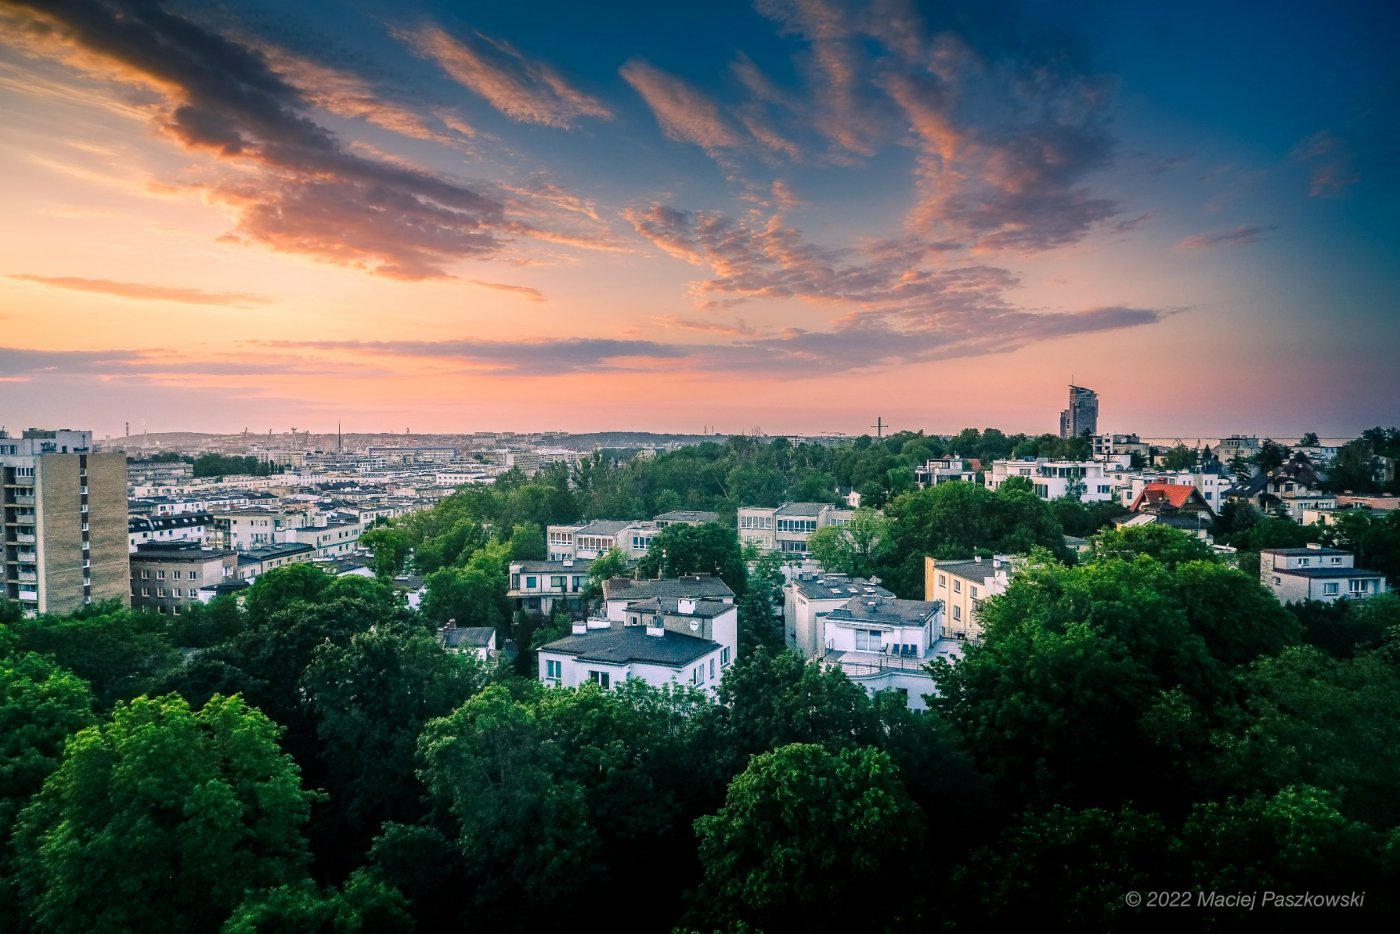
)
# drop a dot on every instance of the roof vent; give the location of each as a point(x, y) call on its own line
point(579, 627)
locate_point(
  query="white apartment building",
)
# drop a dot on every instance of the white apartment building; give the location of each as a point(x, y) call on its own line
point(961, 586)
point(787, 528)
point(597, 538)
point(807, 600)
point(1091, 481)
point(1316, 573)
point(885, 644)
point(621, 592)
point(942, 470)
point(666, 641)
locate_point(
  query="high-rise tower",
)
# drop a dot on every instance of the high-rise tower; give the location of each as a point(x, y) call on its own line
point(64, 532)
point(1082, 416)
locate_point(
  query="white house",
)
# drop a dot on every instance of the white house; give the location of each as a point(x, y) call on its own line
point(942, 470)
point(1316, 573)
point(1090, 481)
point(809, 597)
point(619, 592)
point(597, 538)
point(476, 640)
point(608, 653)
point(885, 644)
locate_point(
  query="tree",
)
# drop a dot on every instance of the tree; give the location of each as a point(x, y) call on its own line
point(613, 563)
point(188, 809)
point(41, 705)
point(527, 543)
point(1309, 440)
point(803, 838)
point(371, 697)
point(1163, 543)
point(390, 548)
point(1238, 618)
point(1270, 455)
point(1179, 458)
point(365, 904)
point(120, 653)
point(707, 548)
point(854, 548)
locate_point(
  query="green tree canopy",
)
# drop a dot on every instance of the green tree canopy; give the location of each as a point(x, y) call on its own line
point(804, 837)
point(183, 811)
point(708, 548)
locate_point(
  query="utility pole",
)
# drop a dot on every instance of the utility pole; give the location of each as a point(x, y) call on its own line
point(879, 427)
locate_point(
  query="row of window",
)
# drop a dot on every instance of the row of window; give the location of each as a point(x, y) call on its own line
point(756, 522)
point(174, 592)
point(174, 575)
point(797, 525)
point(554, 671)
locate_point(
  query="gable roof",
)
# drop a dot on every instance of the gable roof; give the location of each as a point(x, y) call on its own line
point(621, 646)
point(1157, 496)
point(697, 586)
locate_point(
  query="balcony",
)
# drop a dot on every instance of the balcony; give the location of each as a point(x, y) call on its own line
point(24, 539)
point(28, 577)
point(23, 499)
point(28, 557)
point(21, 481)
point(29, 596)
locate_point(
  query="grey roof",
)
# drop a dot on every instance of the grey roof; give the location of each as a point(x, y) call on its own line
point(575, 566)
point(182, 520)
point(836, 587)
point(803, 509)
point(632, 644)
point(703, 608)
point(609, 527)
point(477, 637)
point(256, 555)
point(688, 515)
point(1326, 572)
point(1302, 552)
point(886, 612)
point(698, 587)
point(973, 570)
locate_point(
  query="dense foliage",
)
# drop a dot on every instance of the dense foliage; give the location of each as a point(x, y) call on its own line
point(1145, 718)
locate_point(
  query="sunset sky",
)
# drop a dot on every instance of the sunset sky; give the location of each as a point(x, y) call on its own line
point(794, 215)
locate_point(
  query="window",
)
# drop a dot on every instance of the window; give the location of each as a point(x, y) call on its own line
point(145, 591)
point(867, 640)
point(942, 580)
point(712, 669)
point(600, 678)
point(1360, 586)
point(1304, 562)
point(193, 577)
point(145, 575)
point(179, 592)
point(724, 657)
point(695, 675)
point(553, 671)
point(957, 613)
point(1331, 589)
point(957, 585)
point(160, 575)
point(557, 582)
point(1337, 561)
point(530, 583)
point(973, 592)
point(160, 591)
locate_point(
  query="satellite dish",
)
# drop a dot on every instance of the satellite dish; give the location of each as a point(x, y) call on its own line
point(695, 625)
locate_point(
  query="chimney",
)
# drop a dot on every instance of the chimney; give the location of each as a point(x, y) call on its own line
point(451, 625)
point(685, 606)
point(977, 558)
point(579, 627)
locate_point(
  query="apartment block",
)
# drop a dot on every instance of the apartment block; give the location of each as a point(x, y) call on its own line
point(787, 528)
point(167, 576)
point(64, 531)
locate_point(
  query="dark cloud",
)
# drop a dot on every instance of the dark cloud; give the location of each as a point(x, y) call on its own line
point(311, 195)
point(1236, 236)
point(142, 291)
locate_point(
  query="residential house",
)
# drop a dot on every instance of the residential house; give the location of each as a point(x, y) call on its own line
point(885, 644)
point(1088, 481)
point(475, 640)
point(942, 470)
point(787, 528)
point(1316, 573)
point(809, 597)
point(656, 652)
point(961, 586)
point(619, 592)
point(544, 586)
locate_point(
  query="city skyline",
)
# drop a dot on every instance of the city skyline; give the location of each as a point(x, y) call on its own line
point(787, 215)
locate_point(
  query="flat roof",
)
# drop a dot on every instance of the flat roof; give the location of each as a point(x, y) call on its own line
point(629, 644)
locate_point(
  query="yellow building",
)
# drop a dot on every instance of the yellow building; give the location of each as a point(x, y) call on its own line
point(962, 586)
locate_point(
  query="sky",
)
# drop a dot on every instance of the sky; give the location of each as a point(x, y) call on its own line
point(786, 216)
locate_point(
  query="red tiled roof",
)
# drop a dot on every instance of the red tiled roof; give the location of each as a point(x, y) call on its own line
point(1177, 495)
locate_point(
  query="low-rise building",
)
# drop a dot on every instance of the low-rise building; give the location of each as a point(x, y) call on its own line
point(1087, 481)
point(787, 528)
point(187, 526)
point(257, 561)
point(168, 576)
point(1316, 573)
point(474, 640)
point(809, 597)
point(943, 470)
point(619, 592)
point(961, 586)
point(544, 586)
point(886, 644)
point(608, 653)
